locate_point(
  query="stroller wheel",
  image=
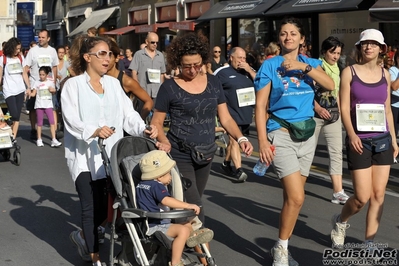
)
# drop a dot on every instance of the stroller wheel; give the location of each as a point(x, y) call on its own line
point(17, 158)
point(6, 155)
point(211, 261)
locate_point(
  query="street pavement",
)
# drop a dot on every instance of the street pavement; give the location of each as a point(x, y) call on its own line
point(40, 207)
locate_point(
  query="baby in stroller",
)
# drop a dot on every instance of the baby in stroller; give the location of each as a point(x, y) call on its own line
point(152, 195)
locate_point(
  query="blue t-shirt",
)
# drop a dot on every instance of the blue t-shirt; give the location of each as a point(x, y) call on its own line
point(192, 115)
point(149, 195)
point(291, 95)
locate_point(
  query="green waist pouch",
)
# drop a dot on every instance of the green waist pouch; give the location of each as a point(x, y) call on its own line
point(299, 131)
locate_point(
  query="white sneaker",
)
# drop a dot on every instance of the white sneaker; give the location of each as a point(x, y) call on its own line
point(339, 197)
point(39, 143)
point(279, 255)
point(55, 143)
point(338, 232)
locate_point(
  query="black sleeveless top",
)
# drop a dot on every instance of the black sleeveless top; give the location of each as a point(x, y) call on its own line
point(120, 78)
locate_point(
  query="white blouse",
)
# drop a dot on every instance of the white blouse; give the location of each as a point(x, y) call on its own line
point(84, 111)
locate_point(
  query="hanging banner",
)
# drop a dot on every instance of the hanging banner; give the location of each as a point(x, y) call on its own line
point(25, 12)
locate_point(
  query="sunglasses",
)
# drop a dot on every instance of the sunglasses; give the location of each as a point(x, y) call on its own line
point(196, 67)
point(371, 44)
point(154, 42)
point(102, 54)
point(217, 52)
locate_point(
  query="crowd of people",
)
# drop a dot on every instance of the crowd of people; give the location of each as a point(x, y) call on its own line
point(294, 97)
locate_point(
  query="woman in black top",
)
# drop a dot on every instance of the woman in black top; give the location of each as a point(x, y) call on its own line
point(193, 99)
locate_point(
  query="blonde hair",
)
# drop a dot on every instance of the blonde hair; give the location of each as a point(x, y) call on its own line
point(272, 48)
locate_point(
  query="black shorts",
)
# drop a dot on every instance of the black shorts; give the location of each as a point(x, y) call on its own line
point(30, 104)
point(368, 157)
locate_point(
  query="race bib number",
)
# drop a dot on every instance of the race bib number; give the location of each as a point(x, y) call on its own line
point(370, 117)
point(154, 75)
point(246, 96)
point(44, 93)
point(5, 140)
point(44, 60)
point(14, 66)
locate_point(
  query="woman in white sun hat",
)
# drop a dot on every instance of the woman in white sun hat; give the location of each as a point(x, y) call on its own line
point(370, 138)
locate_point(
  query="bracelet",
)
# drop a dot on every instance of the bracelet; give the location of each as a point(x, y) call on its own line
point(242, 139)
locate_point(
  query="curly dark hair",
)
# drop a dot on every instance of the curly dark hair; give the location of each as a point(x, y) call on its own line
point(81, 45)
point(10, 47)
point(188, 44)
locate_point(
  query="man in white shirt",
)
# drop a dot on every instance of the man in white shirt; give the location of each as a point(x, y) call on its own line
point(40, 55)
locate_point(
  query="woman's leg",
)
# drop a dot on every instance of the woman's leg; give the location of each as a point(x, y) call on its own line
point(14, 104)
point(91, 195)
point(294, 196)
point(362, 186)
point(333, 136)
point(198, 176)
point(380, 176)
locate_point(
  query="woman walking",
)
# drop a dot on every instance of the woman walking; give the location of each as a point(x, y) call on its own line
point(15, 82)
point(370, 135)
point(285, 94)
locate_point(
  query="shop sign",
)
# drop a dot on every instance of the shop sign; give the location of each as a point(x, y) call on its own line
point(240, 7)
point(182, 25)
point(145, 28)
point(315, 2)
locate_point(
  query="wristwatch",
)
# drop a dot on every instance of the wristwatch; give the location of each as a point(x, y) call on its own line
point(308, 68)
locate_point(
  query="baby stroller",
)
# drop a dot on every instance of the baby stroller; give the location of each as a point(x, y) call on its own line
point(6, 143)
point(128, 223)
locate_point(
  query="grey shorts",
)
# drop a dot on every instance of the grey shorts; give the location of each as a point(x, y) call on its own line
point(291, 156)
point(160, 227)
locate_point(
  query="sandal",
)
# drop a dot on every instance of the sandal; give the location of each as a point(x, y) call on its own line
point(179, 264)
point(199, 236)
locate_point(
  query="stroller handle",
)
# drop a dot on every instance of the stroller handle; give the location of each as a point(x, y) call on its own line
point(101, 140)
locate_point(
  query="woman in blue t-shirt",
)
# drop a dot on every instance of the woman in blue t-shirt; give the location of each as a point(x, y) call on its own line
point(284, 86)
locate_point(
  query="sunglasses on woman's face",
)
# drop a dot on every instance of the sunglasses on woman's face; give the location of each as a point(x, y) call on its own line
point(102, 54)
point(196, 67)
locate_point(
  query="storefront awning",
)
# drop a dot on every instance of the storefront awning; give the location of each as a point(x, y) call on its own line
point(120, 31)
point(286, 7)
point(385, 11)
point(238, 9)
point(96, 19)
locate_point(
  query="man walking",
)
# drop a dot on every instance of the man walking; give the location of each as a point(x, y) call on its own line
point(148, 67)
point(237, 81)
point(40, 55)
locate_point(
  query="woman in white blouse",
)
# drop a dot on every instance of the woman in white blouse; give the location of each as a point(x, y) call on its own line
point(93, 103)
